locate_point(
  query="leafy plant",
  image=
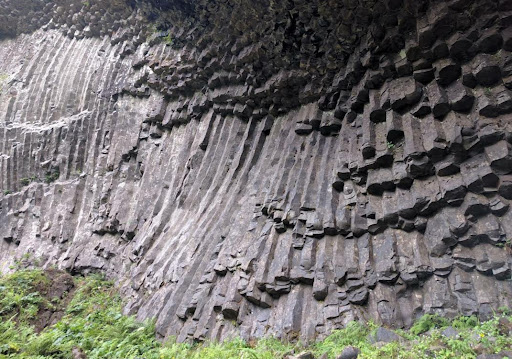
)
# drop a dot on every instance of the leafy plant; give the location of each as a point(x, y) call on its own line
point(93, 323)
point(27, 180)
point(168, 39)
point(504, 311)
point(427, 322)
point(465, 322)
point(19, 298)
point(52, 176)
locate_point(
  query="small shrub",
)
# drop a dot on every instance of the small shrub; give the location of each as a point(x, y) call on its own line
point(504, 311)
point(168, 39)
point(52, 176)
point(465, 322)
point(25, 181)
point(427, 322)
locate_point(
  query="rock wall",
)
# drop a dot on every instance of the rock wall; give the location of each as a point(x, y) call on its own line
point(262, 168)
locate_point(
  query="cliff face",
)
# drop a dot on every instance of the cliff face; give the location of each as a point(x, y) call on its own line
point(262, 168)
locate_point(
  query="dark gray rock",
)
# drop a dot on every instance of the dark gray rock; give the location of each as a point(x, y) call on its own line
point(450, 333)
point(305, 355)
point(505, 189)
point(349, 353)
point(253, 170)
point(447, 72)
point(487, 72)
point(491, 356)
point(383, 335)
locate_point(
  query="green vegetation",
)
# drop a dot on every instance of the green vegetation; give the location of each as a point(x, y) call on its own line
point(157, 30)
point(92, 324)
point(168, 39)
point(507, 244)
point(7, 191)
point(25, 181)
point(427, 322)
point(19, 298)
point(52, 176)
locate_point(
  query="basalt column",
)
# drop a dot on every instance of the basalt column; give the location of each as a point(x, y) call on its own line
point(262, 168)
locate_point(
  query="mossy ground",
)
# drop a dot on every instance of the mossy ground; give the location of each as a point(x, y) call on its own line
point(93, 326)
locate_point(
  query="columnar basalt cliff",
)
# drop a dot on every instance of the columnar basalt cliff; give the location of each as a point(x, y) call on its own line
point(262, 167)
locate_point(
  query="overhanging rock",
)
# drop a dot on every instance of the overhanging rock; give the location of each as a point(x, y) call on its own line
point(262, 168)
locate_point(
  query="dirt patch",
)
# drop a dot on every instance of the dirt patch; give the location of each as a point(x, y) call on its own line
point(57, 292)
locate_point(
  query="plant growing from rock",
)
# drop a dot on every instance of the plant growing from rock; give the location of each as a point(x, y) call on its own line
point(52, 176)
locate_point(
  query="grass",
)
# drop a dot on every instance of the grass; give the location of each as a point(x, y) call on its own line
point(19, 298)
point(93, 324)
